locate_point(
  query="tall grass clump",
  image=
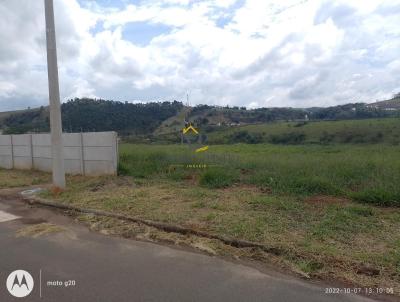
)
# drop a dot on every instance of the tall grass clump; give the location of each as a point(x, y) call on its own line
point(217, 178)
point(378, 196)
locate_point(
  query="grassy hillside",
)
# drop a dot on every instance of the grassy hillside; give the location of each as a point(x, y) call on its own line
point(385, 130)
point(28, 120)
point(388, 104)
point(173, 124)
point(6, 114)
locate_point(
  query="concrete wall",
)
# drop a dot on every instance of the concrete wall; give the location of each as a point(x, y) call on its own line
point(91, 153)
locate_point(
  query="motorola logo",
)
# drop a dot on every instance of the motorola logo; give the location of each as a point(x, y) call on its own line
point(20, 283)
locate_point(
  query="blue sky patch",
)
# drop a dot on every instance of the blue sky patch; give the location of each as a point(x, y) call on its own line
point(97, 28)
point(106, 3)
point(230, 13)
point(141, 33)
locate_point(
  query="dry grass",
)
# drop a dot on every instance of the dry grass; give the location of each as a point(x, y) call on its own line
point(322, 237)
point(18, 178)
point(38, 230)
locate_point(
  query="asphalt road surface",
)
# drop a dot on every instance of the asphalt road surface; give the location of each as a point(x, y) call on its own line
point(108, 269)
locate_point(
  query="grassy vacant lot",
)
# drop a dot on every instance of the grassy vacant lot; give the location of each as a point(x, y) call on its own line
point(369, 174)
point(331, 210)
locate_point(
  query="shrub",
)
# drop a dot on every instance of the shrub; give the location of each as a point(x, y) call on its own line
point(300, 124)
point(245, 137)
point(377, 196)
point(216, 178)
point(292, 138)
point(326, 138)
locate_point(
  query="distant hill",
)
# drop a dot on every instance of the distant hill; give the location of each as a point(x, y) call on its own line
point(27, 120)
point(392, 104)
point(6, 114)
point(163, 120)
point(100, 115)
point(363, 131)
point(93, 115)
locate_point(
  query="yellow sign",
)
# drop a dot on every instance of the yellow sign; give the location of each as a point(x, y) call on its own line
point(194, 130)
point(201, 149)
point(185, 130)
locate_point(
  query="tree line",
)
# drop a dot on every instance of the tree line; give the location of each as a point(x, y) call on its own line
point(85, 114)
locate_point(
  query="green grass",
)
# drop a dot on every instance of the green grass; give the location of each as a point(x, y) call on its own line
point(217, 178)
point(364, 173)
point(373, 131)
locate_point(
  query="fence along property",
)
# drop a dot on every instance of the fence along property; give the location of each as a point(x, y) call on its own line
point(90, 153)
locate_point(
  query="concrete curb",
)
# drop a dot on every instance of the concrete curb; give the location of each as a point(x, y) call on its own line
point(159, 225)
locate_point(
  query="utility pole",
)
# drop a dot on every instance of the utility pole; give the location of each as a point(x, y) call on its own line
point(54, 96)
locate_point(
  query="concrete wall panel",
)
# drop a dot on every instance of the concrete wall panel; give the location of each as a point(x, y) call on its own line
point(41, 140)
point(72, 153)
point(42, 164)
point(99, 149)
point(72, 139)
point(24, 151)
point(98, 153)
point(99, 167)
point(73, 166)
point(99, 138)
point(6, 162)
point(23, 163)
point(5, 150)
point(5, 140)
point(21, 140)
point(42, 152)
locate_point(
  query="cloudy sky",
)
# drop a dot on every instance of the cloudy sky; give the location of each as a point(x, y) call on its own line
point(255, 53)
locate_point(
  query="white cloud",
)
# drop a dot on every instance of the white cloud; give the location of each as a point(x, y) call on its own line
point(252, 53)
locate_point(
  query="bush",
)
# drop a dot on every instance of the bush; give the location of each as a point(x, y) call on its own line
point(122, 169)
point(245, 137)
point(216, 178)
point(292, 138)
point(377, 196)
point(300, 124)
point(326, 138)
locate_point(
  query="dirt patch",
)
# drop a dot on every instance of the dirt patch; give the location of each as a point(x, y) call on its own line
point(326, 200)
point(191, 179)
point(245, 188)
point(32, 220)
point(112, 183)
point(38, 230)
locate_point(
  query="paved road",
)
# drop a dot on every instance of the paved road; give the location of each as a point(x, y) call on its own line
point(113, 269)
